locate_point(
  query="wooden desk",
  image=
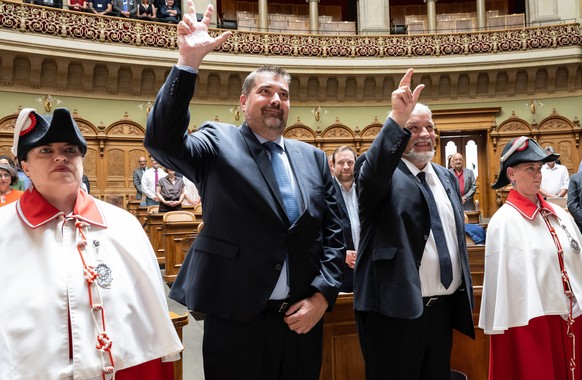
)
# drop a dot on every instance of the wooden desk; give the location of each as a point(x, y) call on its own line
point(179, 322)
point(132, 206)
point(141, 214)
point(178, 237)
point(342, 358)
point(155, 226)
point(473, 216)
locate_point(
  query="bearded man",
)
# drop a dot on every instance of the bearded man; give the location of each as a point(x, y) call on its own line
point(412, 279)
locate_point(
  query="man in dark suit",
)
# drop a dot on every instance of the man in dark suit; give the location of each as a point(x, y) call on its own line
point(574, 201)
point(137, 176)
point(268, 262)
point(412, 280)
point(467, 182)
point(343, 160)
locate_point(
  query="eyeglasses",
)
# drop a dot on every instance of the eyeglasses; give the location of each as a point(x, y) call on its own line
point(5, 175)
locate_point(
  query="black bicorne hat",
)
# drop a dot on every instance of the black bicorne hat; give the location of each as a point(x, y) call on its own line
point(518, 150)
point(32, 130)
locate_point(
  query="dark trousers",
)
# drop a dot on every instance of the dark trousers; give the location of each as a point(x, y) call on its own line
point(264, 348)
point(407, 349)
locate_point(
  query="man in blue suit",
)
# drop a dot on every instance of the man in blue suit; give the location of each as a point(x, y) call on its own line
point(268, 262)
point(412, 280)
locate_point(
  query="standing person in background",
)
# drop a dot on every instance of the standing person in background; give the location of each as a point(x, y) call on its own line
point(343, 160)
point(533, 276)
point(149, 182)
point(268, 262)
point(467, 182)
point(191, 195)
point(137, 177)
point(555, 177)
point(170, 192)
point(412, 283)
point(97, 279)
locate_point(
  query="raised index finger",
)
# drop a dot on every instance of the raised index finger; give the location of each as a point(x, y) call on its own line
point(407, 78)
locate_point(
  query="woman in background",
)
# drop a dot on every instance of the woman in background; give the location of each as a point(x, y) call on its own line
point(8, 178)
point(146, 11)
point(170, 192)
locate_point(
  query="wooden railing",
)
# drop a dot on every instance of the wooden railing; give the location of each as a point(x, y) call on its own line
point(64, 23)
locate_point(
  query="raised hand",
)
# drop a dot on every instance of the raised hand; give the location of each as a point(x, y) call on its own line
point(404, 99)
point(194, 42)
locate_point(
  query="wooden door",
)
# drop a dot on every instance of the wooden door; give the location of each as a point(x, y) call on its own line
point(473, 146)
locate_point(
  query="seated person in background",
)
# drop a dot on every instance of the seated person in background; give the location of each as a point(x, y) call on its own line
point(101, 7)
point(146, 11)
point(19, 184)
point(555, 177)
point(7, 178)
point(125, 8)
point(191, 196)
point(170, 12)
point(78, 5)
point(170, 192)
point(49, 3)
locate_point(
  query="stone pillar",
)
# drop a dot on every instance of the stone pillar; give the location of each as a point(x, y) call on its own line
point(201, 6)
point(540, 12)
point(431, 12)
point(263, 16)
point(481, 15)
point(313, 16)
point(373, 17)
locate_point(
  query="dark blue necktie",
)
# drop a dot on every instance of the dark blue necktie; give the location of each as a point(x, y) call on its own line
point(439, 235)
point(285, 187)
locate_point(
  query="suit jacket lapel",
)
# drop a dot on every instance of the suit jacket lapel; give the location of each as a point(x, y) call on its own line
point(259, 153)
point(340, 197)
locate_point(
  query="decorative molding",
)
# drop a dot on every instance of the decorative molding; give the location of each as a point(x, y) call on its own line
point(70, 24)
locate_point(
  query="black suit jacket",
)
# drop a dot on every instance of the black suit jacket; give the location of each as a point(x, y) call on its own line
point(575, 198)
point(233, 265)
point(348, 278)
point(395, 224)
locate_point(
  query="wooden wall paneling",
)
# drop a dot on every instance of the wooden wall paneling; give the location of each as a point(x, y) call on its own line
point(368, 135)
point(7, 134)
point(564, 136)
point(335, 136)
point(121, 150)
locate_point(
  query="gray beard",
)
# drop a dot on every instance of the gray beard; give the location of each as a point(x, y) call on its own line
point(419, 158)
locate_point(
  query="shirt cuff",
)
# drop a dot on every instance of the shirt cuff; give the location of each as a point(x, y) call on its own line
point(187, 68)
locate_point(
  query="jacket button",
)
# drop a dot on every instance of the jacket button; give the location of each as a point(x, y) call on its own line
point(278, 267)
point(425, 237)
point(289, 232)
